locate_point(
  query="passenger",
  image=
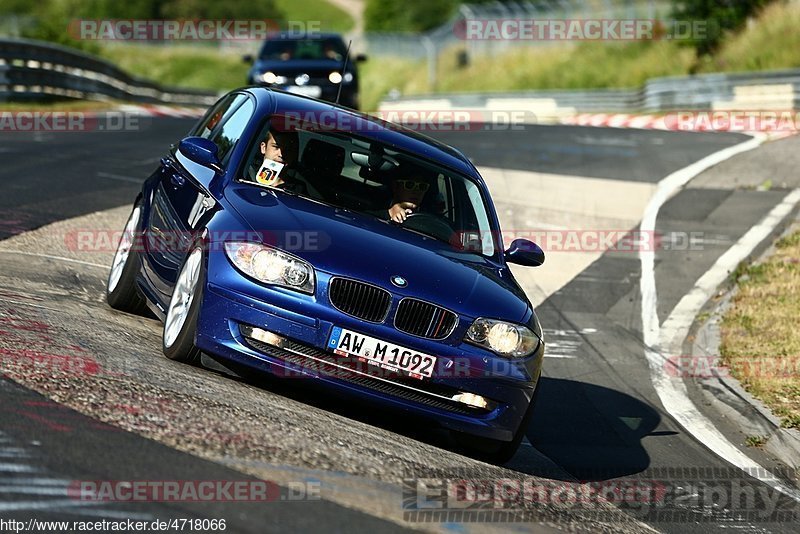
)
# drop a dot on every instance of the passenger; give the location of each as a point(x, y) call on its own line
point(280, 147)
point(329, 52)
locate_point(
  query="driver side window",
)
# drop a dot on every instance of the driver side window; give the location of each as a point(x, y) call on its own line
point(231, 130)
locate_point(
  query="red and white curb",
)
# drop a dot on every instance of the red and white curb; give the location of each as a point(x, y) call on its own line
point(163, 111)
point(653, 122)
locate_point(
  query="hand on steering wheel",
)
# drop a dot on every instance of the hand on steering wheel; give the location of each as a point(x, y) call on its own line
point(400, 211)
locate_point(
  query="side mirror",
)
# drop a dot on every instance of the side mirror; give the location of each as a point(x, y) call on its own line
point(201, 151)
point(247, 58)
point(524, 252)
point(360, 58)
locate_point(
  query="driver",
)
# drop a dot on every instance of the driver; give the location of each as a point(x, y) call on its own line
point(407, 195)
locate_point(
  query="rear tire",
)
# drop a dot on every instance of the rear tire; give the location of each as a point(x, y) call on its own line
point(180, 324)
point(121, 291)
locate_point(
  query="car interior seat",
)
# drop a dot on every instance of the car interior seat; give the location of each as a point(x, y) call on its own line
point(323, 163)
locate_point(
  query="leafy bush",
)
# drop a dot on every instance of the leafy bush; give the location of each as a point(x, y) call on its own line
point(417, 16)
point(54, 16)
point(719, 16)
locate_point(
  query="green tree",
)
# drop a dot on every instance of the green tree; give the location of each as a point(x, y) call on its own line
point(719, 16)
point(416, 16)
point(16, 7)
point(114, 9)
point(54, 17)
point(228, 10)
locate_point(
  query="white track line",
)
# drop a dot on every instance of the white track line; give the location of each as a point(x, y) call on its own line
point(669, 339)
point(50, 257)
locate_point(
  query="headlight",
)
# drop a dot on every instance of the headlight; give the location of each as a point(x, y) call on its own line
point(506, 339)
point(336, 77)
point(271, 266)
point(271, 77)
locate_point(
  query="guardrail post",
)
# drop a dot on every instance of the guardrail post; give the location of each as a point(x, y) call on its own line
point(433, 57)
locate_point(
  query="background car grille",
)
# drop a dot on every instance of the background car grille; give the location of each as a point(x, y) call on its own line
point(360, 300)
point(423, 319)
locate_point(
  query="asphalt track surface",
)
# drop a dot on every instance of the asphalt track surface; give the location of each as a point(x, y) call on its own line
point(598, 417)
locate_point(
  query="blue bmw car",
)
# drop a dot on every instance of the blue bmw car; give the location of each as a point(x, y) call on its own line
point(304, 239)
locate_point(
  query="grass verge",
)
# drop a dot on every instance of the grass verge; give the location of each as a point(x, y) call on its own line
point(184, 66)
point(191, 66)
point(770, 42)
point(760, 337)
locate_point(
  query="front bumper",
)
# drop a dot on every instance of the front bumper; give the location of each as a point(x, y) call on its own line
point(305, 323)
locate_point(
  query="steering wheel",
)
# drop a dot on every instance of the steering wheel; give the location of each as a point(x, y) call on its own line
point(429, 223)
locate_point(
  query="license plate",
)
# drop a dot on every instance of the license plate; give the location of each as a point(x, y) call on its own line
point(313, 91)
point(381, 353)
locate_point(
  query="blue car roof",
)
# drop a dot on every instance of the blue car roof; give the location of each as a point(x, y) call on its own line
point(276, 102)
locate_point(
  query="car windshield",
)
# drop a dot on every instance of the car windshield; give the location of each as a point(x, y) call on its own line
point(291, 49)
point(362, 175)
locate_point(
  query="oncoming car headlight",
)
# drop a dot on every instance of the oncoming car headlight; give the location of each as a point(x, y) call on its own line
point(271, 77)
point(336, 77)
point(271, 266)
point(506, 339)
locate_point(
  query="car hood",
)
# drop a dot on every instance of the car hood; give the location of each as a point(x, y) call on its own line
point(359, 246)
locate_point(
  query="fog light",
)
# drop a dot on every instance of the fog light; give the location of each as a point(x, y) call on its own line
point(471, 399)
point(264, 336)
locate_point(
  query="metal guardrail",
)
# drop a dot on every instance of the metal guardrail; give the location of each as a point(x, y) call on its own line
point(770, 90)
point(34, 70)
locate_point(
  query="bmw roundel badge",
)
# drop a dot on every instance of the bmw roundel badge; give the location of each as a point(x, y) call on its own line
point(399, 281)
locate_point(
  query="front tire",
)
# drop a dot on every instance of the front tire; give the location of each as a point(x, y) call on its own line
point(180, 324)
point(121, 291)
point(494, 451)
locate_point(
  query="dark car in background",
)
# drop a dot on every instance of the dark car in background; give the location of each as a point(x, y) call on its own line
point(310, 65)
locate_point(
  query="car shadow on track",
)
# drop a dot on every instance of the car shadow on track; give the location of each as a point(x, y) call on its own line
point(566, 426)
point(592, 432)
point(310, 392)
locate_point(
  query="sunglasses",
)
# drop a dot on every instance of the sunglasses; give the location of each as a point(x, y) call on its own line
point(412, 185)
